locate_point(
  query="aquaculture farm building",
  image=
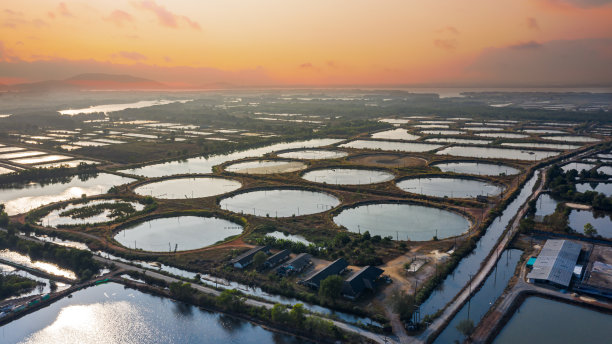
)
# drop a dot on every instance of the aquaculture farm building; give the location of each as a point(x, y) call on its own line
point(555, 263)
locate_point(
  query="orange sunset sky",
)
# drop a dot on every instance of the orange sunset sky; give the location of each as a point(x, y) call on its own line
point(187, 43)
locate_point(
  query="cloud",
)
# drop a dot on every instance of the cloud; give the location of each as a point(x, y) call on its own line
point(332, 64)
point(306, 65)
point(14, 19)
point(568, 4)
point(6, 55)
point(532, 23)
point(165, 17)
point(12, 13)
point(63, 10)
point(119, 18)
point(130, 55)
point(449, 29)
point(446, 44)
point(581, 62)
point(526, 45)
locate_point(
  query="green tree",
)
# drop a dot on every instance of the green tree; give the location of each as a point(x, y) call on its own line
point(590, 230)
point(466, 327)
point(403, 304)
point(230, 299)
point(331, 287)
point(279, 313)
point(259, 259)
point(297, 314)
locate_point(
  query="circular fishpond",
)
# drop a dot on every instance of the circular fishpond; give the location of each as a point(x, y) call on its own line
point(180, 232)
point(403, 221)
point(90, 212)
point(280, 202)
point(179, 188)
point(449, 187)
point(266, 167)
point(479, 168)
point(347, 176)
point(313, 154)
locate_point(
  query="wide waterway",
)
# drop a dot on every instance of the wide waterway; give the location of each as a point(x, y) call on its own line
point(470, 265)
point(112, 313)
point(479, 304)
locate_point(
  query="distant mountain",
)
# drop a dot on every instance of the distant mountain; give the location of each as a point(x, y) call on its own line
point(90, 81)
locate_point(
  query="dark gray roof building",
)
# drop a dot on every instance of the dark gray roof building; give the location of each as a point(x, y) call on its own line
point(247, 258)
point(335, 268)
point(277, 258)
point(360, 281)
point(296, 264)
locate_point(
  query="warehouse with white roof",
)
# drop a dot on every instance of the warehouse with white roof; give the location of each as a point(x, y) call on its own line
point(555, 263)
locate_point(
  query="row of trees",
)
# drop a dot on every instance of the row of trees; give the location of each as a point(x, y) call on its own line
point(233, 301)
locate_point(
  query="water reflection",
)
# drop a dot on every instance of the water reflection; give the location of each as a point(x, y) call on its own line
point(20, 199)
point(110, 313)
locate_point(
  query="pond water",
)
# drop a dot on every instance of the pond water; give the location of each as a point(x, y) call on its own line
point(601, 221)
point(290, 237)
point(569, 138)
point(57, 218)
point(395, 134)
point(479, 168)
point(119, 107)
point(605, 169)
point(112, 313)
point(347, 176)
point(502, 135)
point(543, 131)
point(481, 301)
point(545, 205)
point(41, 159)
point(605, 188)
point(391, 146)
point(403, 221)
point(496, 153)
point(544, 321)
point(280, 202)
point(394, 120)
point(180, 232)
point(20, 154)
point(431, 126)
point(71, 163)
point(180, 188)
point(470, 264)
point(442, 132)
point(43, 287)
point(578, 166)
point(205, 164)
point(540, 145)
point(4, 149)
point(313, 154)
point(449, 187)
point(266, 167)
point(460, 141)
point(483, 128)
point(4, 170)
point(20, 199)
point(24, 260)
